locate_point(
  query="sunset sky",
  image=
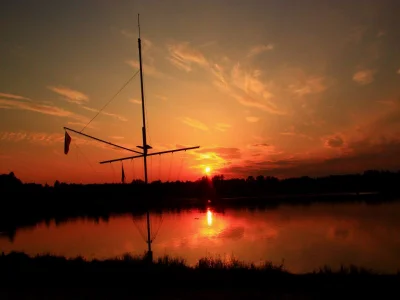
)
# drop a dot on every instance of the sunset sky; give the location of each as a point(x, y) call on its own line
point(278, 88)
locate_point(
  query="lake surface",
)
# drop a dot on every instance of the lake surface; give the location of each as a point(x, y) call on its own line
point(305, 237)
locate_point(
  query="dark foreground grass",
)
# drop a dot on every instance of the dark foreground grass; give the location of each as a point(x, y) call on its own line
point(47, 276)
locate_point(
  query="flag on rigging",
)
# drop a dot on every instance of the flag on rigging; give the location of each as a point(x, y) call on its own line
point(67, 141)
point(123, 174)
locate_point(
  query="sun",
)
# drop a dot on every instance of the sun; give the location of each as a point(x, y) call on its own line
point(207, 170)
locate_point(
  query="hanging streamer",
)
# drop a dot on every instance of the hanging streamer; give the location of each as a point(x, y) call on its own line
point(123, 173)
point(67, 141)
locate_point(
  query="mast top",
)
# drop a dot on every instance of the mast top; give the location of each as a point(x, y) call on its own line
point(138, 22)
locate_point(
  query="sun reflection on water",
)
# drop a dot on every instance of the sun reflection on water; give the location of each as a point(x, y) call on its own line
point(209, 217)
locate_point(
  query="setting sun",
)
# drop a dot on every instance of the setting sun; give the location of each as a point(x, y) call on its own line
point(207, 170)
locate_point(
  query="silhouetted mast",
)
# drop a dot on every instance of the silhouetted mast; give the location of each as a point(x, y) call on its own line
point(144, 146)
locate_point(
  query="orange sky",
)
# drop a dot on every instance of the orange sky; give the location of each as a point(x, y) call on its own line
point(264, 87)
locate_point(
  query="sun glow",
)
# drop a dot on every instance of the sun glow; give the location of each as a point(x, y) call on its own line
point(207, 170)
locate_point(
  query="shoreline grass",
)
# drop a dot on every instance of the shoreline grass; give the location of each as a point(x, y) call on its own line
point(49, 276)
point(128, 261)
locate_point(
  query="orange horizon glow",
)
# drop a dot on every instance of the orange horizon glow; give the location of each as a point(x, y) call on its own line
point(255, 105)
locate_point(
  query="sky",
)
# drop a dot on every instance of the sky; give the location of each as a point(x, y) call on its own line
point(275, 88)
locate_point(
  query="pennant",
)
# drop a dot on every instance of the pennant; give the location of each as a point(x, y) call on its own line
point(123, 174)
point(67, 141)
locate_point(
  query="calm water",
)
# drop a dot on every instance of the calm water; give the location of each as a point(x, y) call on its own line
point(304, 237)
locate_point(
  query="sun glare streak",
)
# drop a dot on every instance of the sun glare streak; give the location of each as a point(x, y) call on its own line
point(209, 217)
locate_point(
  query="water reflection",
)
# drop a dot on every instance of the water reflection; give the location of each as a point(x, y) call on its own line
point(209, 217)
point(305, 237)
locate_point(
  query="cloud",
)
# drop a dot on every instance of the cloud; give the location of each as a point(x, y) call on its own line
point(69, 94)
point(81, 124)
point(223, 152)
point(244, 86)
point(41, 108)
point(128, 33)
point(135, 101)
point(31, 137)
point(252, 119)
point(398, 71)
point(121, 118)
point(222, 126)
point(13, 96)
point(147, 69)
point(364, 77)
point(312, 85)
point(184, 56)
point(260, 49)
point(116, 137)
point(248, 89)
point(194, 123)
point(334, 142)
point(164, 98)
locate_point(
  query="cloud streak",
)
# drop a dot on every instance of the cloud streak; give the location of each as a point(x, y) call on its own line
point(147, 69)
point(118, 117)
point(260, 49)
point(13, 96)
point(364, 77)
point(40, 108)
point(184, 56)
point(194, 123)
point(70, 95)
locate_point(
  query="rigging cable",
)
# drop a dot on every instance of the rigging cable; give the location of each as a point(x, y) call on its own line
point(85, 157)
point(112, 98)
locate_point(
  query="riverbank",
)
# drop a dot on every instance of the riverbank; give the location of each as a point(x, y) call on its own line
point(172, 278)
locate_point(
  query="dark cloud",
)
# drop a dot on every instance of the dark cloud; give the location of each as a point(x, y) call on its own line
point(361, 156)
point(334, 142)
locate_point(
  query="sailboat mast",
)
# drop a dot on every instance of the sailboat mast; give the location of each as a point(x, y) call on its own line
point(143, 109)
point(144, 138)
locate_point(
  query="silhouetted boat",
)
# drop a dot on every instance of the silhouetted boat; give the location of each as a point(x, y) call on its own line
point(145, 147)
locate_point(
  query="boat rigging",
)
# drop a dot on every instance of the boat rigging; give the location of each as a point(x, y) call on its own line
point(138, 154)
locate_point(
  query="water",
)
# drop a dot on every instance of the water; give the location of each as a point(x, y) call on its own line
point(305, 237)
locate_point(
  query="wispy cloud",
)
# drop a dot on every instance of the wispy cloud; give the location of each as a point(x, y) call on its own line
point(251, 119)
point(121, 118)
point(13, 96)
point(46, 139)
point(81, 124)
point(135, 101)
point(161, 97)
point(194, 123)
point(127, 33)
point(312, 85)
point(41, 108)
point(69, 94)
point(116, 137)
point(364, 77)
point(260, 49)
point(147, 69)
point(248, 89)
point(31, 137)
point(222, 126)
point(184, 56)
